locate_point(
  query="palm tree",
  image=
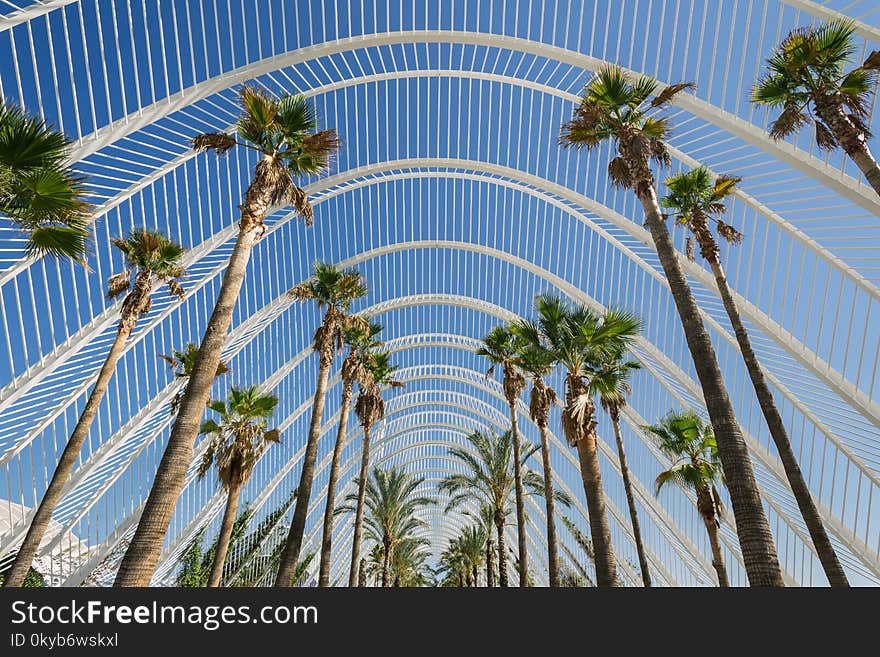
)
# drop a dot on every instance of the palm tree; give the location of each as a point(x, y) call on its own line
point(39, 192)
point(149, 258)
point(696, 200)
point(486, 478)
point(501, 347)
point(182, 363)
point(611, 383)
point(580, 340)
point(354, 370)
point(613, 108)
point(538, 362)
point(689, 442)
point(408, 561)
point(333, 289)
point(391, 503)
point(236, 442)
point(370, 409)
point(806, 79)
point(485, 518)
point(282, 131)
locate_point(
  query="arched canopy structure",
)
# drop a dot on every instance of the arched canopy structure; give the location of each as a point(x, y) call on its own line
point(454, 200)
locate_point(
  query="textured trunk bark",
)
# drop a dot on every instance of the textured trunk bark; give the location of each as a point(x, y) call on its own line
point(386, 564)
point(827, 556)
point(851, 140)
point(631, 502)
point(717, 555)
point(520, 499)
point(502, 554)
point(225, 532)
point(490, 557)
point(359, 509)
point(756, 540)
point(603, 550)
point(474, 576)
point(362, 573)
point(43, 515)
point(552, 548)
point(290, 556)
point(140, 559)
point(327, 538)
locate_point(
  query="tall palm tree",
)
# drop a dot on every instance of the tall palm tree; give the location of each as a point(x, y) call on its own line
point(611, 383)
point(392, 504)
point(360, 341)
point(487, 479)
point(485, 518)
point(696, 201)
point(39, 192)
point(370, 409)
point(581, 340)
point(236, 442)
point(333, 289)
point(283, 132)
point(616, 109)
point(689, 442)
point(538, 362)
point(409, 561)
point(149, 258)
point(470, 543)
point(501, 348)
point(182, 363)
point(806, 78)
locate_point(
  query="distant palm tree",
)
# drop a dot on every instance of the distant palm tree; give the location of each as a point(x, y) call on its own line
point(370, 409)
point(333, 289)
point(182, 363)
point(283, 132)
point(615, 109)
point(485, 518)
point(236, 443)
point(807, 70)
point(501, 347)
point(39, 192)
point(409, 562)
point(360, 341)
point(696, 200)
point(611, 383)
point(149, 258)
point(689, 442)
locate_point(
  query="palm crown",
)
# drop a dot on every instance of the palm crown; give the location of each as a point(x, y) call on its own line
point(283, 130)
point(808, 68)
point(38, 191)
point(239, 436)
point(182, 363)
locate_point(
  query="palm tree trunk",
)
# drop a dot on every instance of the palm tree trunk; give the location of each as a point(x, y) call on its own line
point(600, 530)
point(474, 576)
point(756, 540)
point(490, 557)
point(520, 498)
point(359, 509)
point(290, 556)
point(362, 573)
point(631, 502)
point(326, 540)
point(827, 556)
point(502, 554)
point(552, 548)
point(717, 555)
point(143, 552)
point(43, 515)
point(851, 141)
point(225, 531)
point(386, 564)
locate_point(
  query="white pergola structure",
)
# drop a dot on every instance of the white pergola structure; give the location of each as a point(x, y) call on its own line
point(454, 200)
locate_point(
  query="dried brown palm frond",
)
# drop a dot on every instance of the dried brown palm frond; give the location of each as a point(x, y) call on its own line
point(619, 173)
point(213, 141)
point(301, 292)
point(322, 144)
point(790, 120)
point(118, 284)
point(825, 139)
point(670, 92)
point(872, 63)
point(729, 233)
point(175, 288)
point(689, 248)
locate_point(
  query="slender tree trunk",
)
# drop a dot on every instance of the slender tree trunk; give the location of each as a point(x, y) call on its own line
point(851, 140)
point(603, 550)
point(552, 548)
point(326, 540)
point(290, 556)
point(43, 515)
point(490, 557)
point(631, 502)
point(386, 564)
point(827, 556)
point(139, 562)
point(502, 554)
point(225, 532)
point(474, 576)
point(756, 540)
point(362, 573)
point(520, 498)
point(359, 509)
point(717, 554)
